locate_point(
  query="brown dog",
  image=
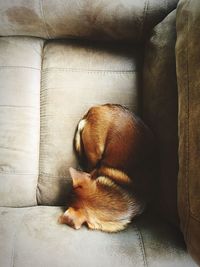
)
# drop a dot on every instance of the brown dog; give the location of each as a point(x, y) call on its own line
point(117, 149)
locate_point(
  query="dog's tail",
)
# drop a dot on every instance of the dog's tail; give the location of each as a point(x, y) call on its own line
point(78, 144)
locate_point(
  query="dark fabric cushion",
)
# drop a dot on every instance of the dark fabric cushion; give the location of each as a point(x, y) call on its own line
point(160, 111)
point(188, 72)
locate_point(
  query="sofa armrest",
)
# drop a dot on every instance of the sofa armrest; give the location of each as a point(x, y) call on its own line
point(188, 74)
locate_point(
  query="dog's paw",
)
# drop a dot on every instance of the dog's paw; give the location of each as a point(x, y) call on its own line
point(72, 218)
point(60, 219)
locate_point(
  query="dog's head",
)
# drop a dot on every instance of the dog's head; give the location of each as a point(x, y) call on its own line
point(99, 203)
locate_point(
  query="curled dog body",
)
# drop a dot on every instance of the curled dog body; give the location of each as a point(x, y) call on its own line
point(116, 149)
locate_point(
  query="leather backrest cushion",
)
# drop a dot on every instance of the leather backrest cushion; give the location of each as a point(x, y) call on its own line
point(160, 108)
point(118, 20)
point(20, 75)
point(76, 76)
point(188, 75)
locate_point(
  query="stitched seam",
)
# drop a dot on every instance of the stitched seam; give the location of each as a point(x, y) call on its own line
point(62, 180)
point(65, 87)
point(193, 216)
point(144, 17)
point(192, 246)
point(14, 173)
point(14, 106)
point(189, 243)
point(42, 123)
point(19, 67)
point(187, 134)
point(166, 5)
point(141, 243)
point(44, 19)
point(43, 174)
point(15, 238)
point(89, 71)
point(16, 149)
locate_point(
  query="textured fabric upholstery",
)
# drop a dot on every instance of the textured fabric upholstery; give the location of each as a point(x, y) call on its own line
point(160, 108)
point(32, 237)
point(76, 76)
point(118, 20)
point(49, 77)
point(20, 64)
point(188, 72)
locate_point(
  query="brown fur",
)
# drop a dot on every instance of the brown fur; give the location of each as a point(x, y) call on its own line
point(117, 149)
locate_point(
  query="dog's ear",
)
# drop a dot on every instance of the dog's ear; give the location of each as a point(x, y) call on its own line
point(79, 177)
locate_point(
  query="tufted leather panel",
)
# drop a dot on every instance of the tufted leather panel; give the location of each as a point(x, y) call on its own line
point(75, 76)
point(93, 19)
point(20, 63)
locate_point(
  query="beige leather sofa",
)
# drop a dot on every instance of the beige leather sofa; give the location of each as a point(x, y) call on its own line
point(57, 59)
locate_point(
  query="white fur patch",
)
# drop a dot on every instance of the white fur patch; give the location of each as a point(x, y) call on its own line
point(106, 181)
point(81, 126)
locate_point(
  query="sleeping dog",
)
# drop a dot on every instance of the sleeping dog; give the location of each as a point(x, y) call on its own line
point(117, 150)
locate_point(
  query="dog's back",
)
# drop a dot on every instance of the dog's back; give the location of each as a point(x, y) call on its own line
point(112, 141)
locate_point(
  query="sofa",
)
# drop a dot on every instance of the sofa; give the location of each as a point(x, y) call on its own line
point(59, 58)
